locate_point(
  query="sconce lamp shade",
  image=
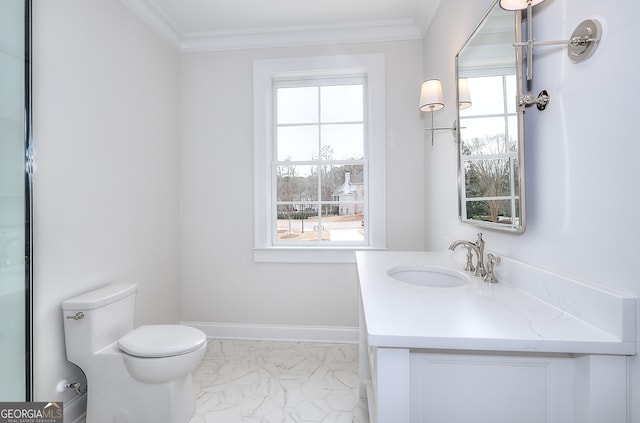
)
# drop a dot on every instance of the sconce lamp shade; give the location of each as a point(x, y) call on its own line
point(464, 97)
point(518, 4)
point(431, 98)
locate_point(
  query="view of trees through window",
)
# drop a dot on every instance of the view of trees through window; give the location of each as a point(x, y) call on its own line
point(319, 165)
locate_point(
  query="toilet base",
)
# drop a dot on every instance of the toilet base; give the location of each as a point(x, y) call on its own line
point(113, 396)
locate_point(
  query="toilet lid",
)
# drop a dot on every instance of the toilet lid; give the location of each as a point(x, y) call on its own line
point(162, 340)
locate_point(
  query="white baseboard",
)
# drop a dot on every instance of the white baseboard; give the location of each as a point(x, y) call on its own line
point(337, 334)
point(75, 410)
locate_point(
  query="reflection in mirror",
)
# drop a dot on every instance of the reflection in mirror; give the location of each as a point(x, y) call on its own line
point(491, 135)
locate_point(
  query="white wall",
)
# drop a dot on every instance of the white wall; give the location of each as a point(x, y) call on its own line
point(220, 282)
point(116, 197)
point(105, 189)
point(581, 152)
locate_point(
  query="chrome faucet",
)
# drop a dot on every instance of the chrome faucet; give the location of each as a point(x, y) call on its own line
point(478, 248)
point(470, 246)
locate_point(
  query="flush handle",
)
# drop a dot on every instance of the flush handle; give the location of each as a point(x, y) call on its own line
point(79, 315)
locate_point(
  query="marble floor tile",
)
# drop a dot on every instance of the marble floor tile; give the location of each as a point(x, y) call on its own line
point(278, 382)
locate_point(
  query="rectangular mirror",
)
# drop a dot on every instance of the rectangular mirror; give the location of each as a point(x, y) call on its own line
point(491, 134)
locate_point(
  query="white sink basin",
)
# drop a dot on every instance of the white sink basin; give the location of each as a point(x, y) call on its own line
point(429, 276)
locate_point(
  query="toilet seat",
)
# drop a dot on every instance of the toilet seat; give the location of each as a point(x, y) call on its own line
point(155, 341)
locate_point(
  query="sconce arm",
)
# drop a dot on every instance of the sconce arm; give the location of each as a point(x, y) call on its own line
point(574, 42)
point(582, 44)
point(454, 128)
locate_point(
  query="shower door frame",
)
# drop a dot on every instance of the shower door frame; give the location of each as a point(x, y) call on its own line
point(28, 184)
point(16, 204)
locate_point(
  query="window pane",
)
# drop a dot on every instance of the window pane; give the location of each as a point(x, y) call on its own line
point(344, 227)
point(343, 142)
point(512, 121)
point(512, 94)
point(299, 224)
point(296, 183)
point(342, 103)
point(295, 225)
point(297, 143)
point(324, 224)
point(496, 211)
point(297, 105)
point(483, 136)
point(487, 178)
point(342, 183)
point(487, 96)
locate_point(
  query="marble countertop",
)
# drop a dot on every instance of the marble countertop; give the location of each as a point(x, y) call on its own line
point(476, 316)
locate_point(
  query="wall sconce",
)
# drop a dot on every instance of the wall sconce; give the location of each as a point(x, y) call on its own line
point(464, 96)
point(583, 42)
point(431, 99)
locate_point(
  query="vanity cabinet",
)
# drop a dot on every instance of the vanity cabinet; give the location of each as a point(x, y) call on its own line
point(491, 353)
point(445, 386)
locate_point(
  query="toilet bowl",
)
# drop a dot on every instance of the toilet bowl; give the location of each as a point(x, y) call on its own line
point(159, 353)
point(133, 375)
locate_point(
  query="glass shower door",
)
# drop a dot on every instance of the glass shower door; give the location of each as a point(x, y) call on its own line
point(15, 289)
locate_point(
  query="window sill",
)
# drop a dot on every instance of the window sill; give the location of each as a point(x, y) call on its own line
point(307, 255)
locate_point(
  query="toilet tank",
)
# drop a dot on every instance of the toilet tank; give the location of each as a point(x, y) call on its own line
point(97, 319)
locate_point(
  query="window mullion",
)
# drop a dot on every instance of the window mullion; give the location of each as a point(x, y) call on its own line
point(318, 166)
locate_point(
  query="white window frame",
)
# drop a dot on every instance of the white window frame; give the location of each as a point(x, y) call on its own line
point(264, 73)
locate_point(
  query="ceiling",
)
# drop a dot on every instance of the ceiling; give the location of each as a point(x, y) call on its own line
point(196, 25)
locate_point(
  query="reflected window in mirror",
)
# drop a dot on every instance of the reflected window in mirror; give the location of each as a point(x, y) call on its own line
point(489, 150)
point(491, 165)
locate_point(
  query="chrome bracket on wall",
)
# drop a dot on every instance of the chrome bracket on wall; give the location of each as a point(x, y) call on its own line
point(584, 40)
point(528, 99)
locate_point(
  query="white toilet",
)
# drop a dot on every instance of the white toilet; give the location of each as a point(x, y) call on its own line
point(140, 375)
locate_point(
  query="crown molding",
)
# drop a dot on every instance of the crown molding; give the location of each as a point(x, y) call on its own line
point(393, 30)
point(425, 13)
point(157, 21)
point(301, 36)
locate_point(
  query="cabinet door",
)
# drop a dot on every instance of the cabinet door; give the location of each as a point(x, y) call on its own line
point(466, 388)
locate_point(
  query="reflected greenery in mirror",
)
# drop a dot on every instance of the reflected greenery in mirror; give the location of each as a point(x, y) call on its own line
point(491, 181)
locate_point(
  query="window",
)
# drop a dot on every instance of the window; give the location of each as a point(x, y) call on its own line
point(319, 158)
point(489, 151)
point(319, 165)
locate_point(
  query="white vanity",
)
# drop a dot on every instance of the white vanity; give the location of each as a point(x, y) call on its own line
point(535, 347)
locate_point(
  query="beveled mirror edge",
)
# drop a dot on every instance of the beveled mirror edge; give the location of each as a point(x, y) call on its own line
point(520, 118)
point(520, 114)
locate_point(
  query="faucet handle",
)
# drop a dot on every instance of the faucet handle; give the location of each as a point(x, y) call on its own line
point(490, 277)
